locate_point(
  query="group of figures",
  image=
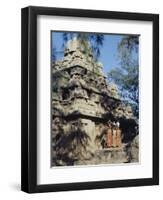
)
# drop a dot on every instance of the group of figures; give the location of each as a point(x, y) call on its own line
point(113, 136)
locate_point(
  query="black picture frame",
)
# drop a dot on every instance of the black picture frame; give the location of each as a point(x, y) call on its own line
point(29, 99)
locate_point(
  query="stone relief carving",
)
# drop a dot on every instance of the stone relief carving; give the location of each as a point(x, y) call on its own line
point(88, 115)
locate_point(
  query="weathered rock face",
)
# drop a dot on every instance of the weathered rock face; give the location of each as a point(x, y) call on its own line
point(132, 150)
point(84, 107)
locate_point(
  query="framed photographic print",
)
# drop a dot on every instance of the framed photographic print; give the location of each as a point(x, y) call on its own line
point(90, 99)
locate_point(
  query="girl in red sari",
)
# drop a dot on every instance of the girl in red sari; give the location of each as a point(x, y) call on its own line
point(109, 139)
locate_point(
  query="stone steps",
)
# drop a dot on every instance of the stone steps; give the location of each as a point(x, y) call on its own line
point(106, 156)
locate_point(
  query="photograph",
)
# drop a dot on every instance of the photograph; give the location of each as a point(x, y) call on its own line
point(90, 99)
point(94, 98)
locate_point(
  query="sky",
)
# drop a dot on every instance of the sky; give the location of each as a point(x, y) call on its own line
point(108, 52)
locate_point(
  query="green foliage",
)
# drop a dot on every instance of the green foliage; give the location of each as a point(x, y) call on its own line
point(127, 75)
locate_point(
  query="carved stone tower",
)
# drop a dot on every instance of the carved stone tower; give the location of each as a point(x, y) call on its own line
point(83, 103)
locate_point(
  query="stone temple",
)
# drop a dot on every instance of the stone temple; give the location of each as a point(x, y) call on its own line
point(90, 124)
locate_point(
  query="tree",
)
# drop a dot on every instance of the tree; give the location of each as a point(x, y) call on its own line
point(94, 40)
point(127, 75)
